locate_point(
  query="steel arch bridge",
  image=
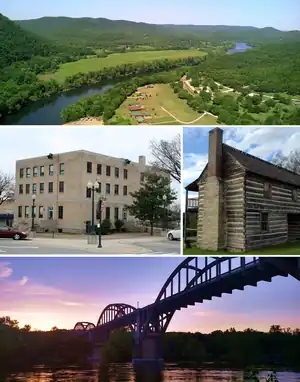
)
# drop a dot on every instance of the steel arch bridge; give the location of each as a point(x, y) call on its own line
point(191, 283)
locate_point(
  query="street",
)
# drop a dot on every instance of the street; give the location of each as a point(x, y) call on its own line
point(137, 245)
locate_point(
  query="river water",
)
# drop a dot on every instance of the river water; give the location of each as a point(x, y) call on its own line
point(125, 372)
point(239, 47)
point(47, 111)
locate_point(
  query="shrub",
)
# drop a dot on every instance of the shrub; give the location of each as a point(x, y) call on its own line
point(119, 224)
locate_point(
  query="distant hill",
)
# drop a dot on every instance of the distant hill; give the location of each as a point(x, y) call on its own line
point(105, 32)
point(17, 44)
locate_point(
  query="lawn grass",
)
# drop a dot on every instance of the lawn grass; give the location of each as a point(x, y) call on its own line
point(162, 96)
point(282, 249)
point(95, 63)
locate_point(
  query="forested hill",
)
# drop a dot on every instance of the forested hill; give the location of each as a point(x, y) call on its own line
point(17, 44)
point(104, 32)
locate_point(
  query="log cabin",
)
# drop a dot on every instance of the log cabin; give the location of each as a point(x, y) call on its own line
point(244, 202)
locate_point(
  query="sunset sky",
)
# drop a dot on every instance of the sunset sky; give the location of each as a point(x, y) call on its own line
point(47, 292)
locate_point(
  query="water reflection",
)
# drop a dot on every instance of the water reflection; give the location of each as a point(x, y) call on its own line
point(126, 373)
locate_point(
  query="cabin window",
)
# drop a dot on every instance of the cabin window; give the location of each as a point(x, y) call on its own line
point(264, 221)
point(295, 195)
point(268, 190)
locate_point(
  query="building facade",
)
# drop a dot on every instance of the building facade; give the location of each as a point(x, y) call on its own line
point(63, 201)
point(244, 202)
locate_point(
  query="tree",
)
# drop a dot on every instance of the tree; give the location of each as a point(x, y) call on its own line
point(290, 162)
point(7, 187)
point(167, 156)
point(26, 328)
point(9, 322)
point(152, 199)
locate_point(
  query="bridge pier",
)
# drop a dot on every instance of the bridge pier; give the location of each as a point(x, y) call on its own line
point(148, 352)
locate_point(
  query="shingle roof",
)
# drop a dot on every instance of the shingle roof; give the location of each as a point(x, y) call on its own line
point(263, 168)
point(257, 166)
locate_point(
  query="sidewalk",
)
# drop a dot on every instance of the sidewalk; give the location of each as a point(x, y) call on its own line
point(110, 244)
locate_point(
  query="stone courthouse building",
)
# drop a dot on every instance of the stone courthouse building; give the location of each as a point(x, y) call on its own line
point(244, 202)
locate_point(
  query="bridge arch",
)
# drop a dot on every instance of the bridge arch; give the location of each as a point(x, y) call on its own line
point(113, 311)
point(84, 326)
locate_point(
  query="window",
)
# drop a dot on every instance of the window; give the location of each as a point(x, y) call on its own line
point(99, 169)
point(42, 170)
point(20, 188)
point(117, 172)
point(264, 221)
point(19, 211)
point(50, 187)
point(26, 211)
point(51, 169)
point(41, 212)
point(116, 189)
point(124, 214)
point(33, 211)
point(89, 167)
point(268, 190)
point(60, 212)
point(35, 171)
point(88, 192)
point(41, 188)
point(124, 190)
point(125, 173)
point(28, 172)
point(107, 188)
point(99, 188)
point(34, 188)
point(107, 170)
point(50, 213)
point(61, 169)
point(61, 186)
point(116, 213)
point(142, 176)
point(27, 189)
point(107, 213)
point(295, 195)
point(21, 172)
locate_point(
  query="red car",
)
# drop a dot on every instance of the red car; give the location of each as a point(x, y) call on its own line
point(11, 233)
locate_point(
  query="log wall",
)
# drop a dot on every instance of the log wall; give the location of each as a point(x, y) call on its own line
point(281, 203)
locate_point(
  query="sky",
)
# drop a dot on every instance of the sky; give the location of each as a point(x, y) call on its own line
point(281, 14)
point(263, 142)
point(47, 292)
point(122, 142)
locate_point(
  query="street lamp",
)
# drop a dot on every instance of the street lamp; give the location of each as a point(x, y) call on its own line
point(93, 187)
point(165, 209)
point(100, 205)
point(32, 211)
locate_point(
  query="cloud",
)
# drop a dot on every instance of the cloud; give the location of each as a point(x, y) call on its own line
point(23, 281)
point(5, 271)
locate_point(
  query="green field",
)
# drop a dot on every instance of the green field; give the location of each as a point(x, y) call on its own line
point(94, 64)
point(165, 108)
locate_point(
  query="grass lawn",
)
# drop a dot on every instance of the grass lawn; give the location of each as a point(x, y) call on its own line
point(282, 249)
point(161, 102)
point(94, 64)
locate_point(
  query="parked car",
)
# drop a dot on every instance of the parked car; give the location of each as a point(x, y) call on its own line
point(11, 233)
point(175, 234)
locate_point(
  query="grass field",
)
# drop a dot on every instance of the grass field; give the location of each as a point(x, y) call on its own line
point(94, 64)
point(165, 108)
point(282, 249)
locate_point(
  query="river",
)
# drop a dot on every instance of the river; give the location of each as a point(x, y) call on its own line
point(125, 372)
point(47, 111)
point(239, 47)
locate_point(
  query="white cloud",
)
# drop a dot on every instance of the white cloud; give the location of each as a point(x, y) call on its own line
point(5, 271)
point(23, 281)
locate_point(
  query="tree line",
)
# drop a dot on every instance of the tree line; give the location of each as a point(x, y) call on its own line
point(231, 348)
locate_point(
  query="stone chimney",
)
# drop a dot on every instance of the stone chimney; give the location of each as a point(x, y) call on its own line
point(215, 153)
point(210, 226)
point(142, 162)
